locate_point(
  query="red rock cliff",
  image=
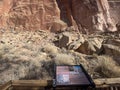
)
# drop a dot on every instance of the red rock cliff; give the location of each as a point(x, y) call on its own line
point(87, 15)
point(29, 14)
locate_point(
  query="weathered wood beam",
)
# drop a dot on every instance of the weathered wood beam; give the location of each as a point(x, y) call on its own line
point(43, 83)
point(106, 82)
point(113, 0)
point(32, 83)
point(6, 85)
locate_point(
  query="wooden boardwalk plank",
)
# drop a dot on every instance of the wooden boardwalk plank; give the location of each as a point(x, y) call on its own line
point(101, 84)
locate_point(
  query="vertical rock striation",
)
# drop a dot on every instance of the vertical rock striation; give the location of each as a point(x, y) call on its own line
point(86, 15)
point(29, 14)
point(115, 12)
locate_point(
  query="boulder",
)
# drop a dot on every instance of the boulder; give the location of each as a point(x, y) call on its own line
point(76, 44)
point(65, 39)
point(90, 46)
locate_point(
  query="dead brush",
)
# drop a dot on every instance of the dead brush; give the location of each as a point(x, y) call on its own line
point(107, 67)
point(51, 49)
point(64, 59)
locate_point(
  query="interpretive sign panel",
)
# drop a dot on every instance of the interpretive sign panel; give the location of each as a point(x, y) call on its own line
point(74, 75)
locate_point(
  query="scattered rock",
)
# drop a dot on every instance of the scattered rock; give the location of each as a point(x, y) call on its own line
point(89, 46)
point(65, 39)
point(75, 44)
point(2, 42)
point(36, 59)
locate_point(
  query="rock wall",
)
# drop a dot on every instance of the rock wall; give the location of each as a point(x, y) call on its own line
point(115, 11)
point(29, 14)
point(83, 12)
point(86, 15)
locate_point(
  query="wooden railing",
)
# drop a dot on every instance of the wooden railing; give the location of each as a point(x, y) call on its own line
point(101, 84)
point(113, 0)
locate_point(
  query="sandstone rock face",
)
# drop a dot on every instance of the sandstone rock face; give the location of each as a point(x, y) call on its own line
point(86, 15)
point(115, 11)
point(83, 12)
point(29, 14)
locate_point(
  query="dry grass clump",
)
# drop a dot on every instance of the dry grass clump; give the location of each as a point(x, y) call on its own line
point(24, 67)
point(64, 59)
point(20, 59)
point(79, 58)
point(51, 49)
point(107, 67)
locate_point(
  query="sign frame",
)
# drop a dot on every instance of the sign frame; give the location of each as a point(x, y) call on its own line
point(91, 82)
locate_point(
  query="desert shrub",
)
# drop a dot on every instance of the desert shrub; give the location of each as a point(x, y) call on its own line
point(107, 67)
point(64, 59)
point(25, 69)
point(51, 49)
point(21, 63)
point(21, 58)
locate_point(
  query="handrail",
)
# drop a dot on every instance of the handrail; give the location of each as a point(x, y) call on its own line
point(105, 82)
point(34, 83)
point(6, 85)
point(113, 0)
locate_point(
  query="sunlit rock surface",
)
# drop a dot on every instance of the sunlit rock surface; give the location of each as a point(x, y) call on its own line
point(86, 15)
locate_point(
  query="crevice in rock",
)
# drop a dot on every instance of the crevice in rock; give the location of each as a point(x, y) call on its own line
point(65, 11)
